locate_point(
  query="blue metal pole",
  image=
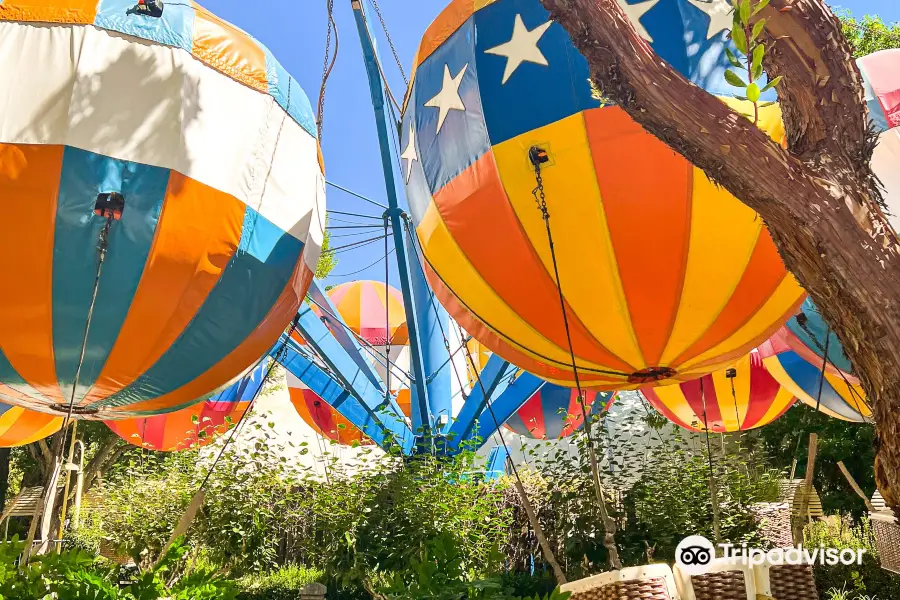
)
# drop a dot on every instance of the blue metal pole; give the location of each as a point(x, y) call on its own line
point(435, 347)
point(386, 128)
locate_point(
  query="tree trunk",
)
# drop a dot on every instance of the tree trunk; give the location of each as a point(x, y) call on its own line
point(818, 196)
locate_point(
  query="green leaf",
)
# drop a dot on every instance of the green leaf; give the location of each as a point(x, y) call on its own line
point(757, 29)
point(753, 92)
point(756, 65)
point(762, 4)
point(732, 78)
point(774, 83)
point(733, 59)
point(739, 38)
point(745, 12)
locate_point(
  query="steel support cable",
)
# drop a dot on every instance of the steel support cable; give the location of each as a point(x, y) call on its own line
point(387, 88)
point(354, 194)
point(236, 430)
point(367, 267)
point(354, 245)
point(388, 336)
point(560, 576)
point(713, 489)
point(352, 214)
point(804, 423)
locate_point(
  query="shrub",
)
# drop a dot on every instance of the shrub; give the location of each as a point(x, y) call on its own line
point(283, 584)
point(854, 582)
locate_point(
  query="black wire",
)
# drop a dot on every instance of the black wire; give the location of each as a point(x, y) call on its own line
point(356, 244)
point(364, 268)
point(352, 214)
point(378, 226)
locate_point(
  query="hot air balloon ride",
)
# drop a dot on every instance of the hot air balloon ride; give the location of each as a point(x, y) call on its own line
point(196, 426)
point(555, 412)
point(817, 384)
point(20, 426)
point(175, 205)
point(881, 79)
point(665, 276)
point(739, 397)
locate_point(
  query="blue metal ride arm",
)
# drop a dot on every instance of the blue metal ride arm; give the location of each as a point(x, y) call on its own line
point(341, 333)
point(343, 364)
point(506, 393)
point(342, 400)
point(420, 408)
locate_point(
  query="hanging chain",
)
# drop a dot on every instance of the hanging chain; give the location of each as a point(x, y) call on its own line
point(327, 66)
point(390, 42)
point(538, 156)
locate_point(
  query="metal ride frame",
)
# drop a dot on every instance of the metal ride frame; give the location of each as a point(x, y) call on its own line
point(334, 365)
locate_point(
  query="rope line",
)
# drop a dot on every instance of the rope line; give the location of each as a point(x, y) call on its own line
point(102, 248)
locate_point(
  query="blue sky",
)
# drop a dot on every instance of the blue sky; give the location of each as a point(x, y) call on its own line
point(295, 32)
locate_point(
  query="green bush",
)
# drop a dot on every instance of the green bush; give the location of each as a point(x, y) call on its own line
point(77, 575)
point(283, 584)
point(851, 582)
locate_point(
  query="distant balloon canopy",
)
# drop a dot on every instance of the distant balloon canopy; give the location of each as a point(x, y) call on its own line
point(740, 397)
point(555, 412)
point(664, 275)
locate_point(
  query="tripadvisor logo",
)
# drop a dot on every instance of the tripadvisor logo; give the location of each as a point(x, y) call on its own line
point(695, 554)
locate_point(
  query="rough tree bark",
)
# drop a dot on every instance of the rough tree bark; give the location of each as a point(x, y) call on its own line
point(818, 196)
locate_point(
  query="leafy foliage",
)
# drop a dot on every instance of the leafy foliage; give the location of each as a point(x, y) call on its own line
point(75, 575)
point(327, 260)
point(870, 33)
point(282, 584)
point(745, 33)
point(851, 582)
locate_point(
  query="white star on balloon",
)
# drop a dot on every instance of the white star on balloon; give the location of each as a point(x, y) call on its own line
point(522, 47)
point(409, 154)
point(448, 98)
point(635, 12)
point(719, 12)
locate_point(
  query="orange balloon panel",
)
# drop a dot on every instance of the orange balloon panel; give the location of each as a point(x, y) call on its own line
point(665, 276)
point(20, 426)
point(740, 397)
point(188, 428)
